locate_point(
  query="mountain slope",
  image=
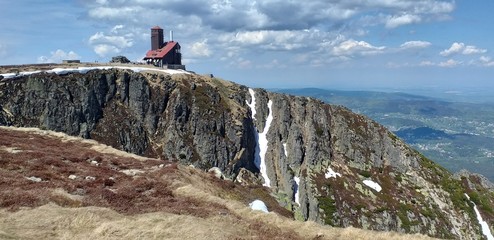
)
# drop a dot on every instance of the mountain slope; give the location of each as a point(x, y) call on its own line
point(457, 135)
point(324, 163)
point(57, 186)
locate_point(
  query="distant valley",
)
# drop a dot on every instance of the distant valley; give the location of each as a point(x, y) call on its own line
point(457, 135)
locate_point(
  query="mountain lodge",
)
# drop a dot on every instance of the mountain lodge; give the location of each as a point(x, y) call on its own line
point(164, 54)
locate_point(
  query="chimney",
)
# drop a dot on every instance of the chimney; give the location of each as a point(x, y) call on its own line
point(171, 35)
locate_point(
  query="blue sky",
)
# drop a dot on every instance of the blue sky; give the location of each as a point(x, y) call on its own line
point(345, 44)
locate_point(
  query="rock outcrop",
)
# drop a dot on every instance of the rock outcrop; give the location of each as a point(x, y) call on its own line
point(316, 153)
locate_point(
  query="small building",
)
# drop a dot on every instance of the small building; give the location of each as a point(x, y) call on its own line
point(164, 54)
point(71, 61)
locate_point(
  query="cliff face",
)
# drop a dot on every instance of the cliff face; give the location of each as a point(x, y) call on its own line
point(322, 162)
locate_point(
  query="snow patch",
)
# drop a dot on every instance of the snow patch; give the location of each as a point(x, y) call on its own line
point(34, 179)
point(258, 205)
point(263, 146)
point(330, 173)
point(90, 178)
point(84, 70)
point(284, 148)
point(252, 104)
point(261, 139)
point(485, 228)
point(297, 185)
point(373, 185)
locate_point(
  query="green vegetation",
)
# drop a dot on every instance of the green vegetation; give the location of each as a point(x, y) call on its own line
point(482, 201)
point(392, 136)
point(457, 194)
point(319, 130)
point(365, 173)
point(398, 177)
point(405, 222)
point(437, 170)
point(427, 212)
point(402, 213)
point(454, 187)
point(327, 204)
point(381, 209)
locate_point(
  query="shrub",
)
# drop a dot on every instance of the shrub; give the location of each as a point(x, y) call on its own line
point(328, 205)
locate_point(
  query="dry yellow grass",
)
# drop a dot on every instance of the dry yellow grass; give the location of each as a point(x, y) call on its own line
point(54, 222)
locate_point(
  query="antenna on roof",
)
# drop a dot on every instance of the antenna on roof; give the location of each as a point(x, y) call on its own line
point(171, 35)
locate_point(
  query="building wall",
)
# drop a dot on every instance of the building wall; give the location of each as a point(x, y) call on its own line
point(156, 39)
point(174, 56)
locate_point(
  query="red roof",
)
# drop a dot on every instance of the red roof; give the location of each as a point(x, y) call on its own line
point(156, 27)
point(160, 53)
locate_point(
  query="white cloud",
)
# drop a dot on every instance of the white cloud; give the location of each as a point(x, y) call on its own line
point(396, 21)
point(59, 55)
point(241, 63)
point(117, 41)
point(455, 48)
point(244, 28)
point(116, 28)
point(268, 14)
point(426, 63)
point(461, 48)
point(112, 13)
point(106, 44)
point(489, 64)
point(272, 40)
point(486, 61)
point(199, 49)
point(473, 50)
point(350, 47)
point(104, 50)
point(449, 63)
point(415, 44)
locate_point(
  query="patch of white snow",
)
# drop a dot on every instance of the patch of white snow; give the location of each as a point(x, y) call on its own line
point(252, 104)
point(285, 149)
point(87, 69)
point(297, 185)
point(263, 146)
point(34, 179)
point(373, 185)
point(330, 173)
point(485, 228)
point(261, 139)
point(258, 205)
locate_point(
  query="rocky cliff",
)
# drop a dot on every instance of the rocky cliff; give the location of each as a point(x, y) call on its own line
point(322, 162)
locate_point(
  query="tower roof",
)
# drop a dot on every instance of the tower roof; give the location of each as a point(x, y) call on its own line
point(156, 27)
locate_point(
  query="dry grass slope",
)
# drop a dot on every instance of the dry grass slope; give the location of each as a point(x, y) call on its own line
point(58, 187)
